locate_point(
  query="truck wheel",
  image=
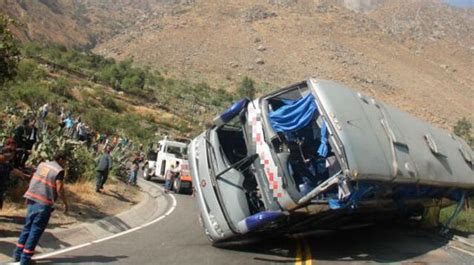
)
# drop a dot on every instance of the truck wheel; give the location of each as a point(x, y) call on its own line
point(146, 175)
point(177, 185)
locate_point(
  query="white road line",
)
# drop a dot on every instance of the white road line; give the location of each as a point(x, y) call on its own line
point(462, 250)
point(163, 216)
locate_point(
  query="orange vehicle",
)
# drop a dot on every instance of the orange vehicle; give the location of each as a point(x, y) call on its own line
point(183, 181)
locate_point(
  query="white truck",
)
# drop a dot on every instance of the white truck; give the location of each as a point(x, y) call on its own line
point(159, 159)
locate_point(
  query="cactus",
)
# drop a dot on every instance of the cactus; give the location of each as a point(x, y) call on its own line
point(121, 158)
point(7, 127)
point(81, 161)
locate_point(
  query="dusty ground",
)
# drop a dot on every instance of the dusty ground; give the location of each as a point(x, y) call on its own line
point(413, 54)
point(85, 206)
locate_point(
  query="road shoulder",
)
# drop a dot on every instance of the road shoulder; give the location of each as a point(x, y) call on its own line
point(153, 205)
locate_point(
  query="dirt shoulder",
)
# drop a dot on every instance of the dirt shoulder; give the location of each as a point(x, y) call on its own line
point(85, 206)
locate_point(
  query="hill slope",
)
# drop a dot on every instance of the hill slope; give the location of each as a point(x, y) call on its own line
point(414, 54)
point(400, 58)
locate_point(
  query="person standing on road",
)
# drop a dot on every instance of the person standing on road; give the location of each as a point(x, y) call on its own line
point(134, 170)
point(170, 175)
point(45, 187)
point(168, 178)
point(104, 164)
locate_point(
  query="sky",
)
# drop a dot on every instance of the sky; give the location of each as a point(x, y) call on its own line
point(462, 3)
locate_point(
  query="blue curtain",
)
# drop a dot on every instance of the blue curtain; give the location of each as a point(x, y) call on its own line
point(323, 147)
point(294, 115)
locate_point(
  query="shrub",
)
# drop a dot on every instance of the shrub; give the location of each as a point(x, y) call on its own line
point(222, 98)
point(464, 222)
point(62, 88)
point(463, 129)
point(122, 76)
point(136, 127)
point(32, 93)
point(80, 160)
point(101, 120)
point(31, 49)
point(246, 88)
point(81, 165)
point(111, 104)
point(135, 80)
point(9, 51)
point(29, 70)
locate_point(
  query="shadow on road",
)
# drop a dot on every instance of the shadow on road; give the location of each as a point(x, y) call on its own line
point(389, 243)
point(161, 183)
point(6, 248)
point(52, 242)
point(271, 249)
point(157, 181)
point(81, 259)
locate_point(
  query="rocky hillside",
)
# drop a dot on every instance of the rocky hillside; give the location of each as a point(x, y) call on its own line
point(78, 23)
point(414, 54)
point(47, 20)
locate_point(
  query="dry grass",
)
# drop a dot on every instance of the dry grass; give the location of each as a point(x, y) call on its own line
point(85, 205)
point(16, 194)
point(10, 209)
point(464, 221)
point(156, 114)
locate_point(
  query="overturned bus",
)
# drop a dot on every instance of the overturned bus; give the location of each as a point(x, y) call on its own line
point(318, 155)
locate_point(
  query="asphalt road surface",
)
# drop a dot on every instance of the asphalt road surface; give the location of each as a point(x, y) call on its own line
point(179, 239)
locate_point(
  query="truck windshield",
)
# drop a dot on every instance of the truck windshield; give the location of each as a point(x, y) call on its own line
point(176, 150)
point(152, 155)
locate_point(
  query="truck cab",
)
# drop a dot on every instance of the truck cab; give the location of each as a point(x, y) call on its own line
point(162, 156)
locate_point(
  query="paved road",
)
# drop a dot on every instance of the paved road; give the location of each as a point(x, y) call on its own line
point(178, 239)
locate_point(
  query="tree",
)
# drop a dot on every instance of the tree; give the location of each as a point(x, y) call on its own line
point(246, 88)
point(463, 129)
point(9, 52)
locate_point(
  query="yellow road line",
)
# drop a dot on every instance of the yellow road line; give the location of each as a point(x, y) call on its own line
point(308, 258)
point(303, 252)
point(299, 258)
